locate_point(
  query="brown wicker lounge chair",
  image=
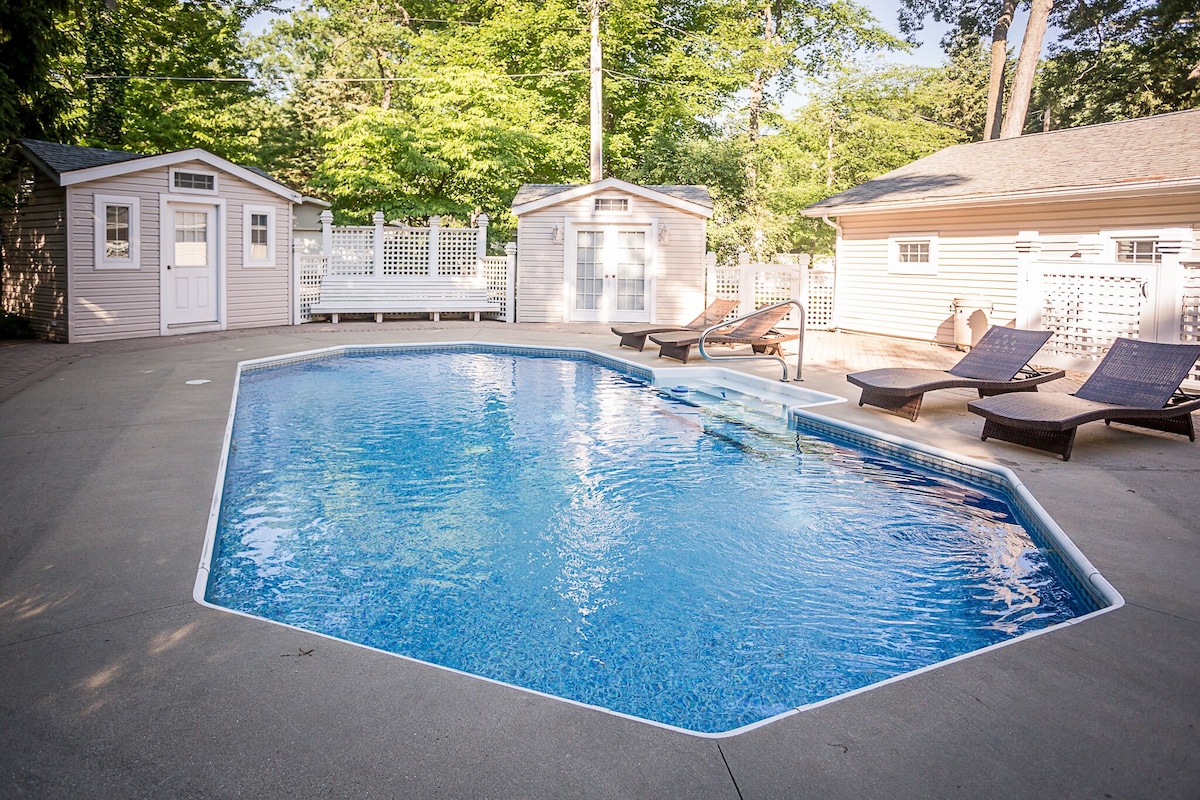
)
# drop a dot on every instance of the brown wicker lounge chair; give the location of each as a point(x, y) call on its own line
point(757, 331)
point(998, 364)
point(635, 335)
point(1136, 383)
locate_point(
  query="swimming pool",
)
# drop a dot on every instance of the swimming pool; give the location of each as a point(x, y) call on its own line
point(553, 520)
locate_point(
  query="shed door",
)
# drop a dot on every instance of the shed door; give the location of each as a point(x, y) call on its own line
point(609, 273)
point(190, 265)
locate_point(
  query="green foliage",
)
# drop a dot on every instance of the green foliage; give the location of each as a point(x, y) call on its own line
point(1121, 59)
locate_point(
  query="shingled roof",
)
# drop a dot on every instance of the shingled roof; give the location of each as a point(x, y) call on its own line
point(59, 159)
point(62, 158)
point(1152, 151)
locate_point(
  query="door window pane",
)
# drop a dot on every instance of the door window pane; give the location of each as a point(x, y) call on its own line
point(631, 270)
point(589, 270)
point(191, 238)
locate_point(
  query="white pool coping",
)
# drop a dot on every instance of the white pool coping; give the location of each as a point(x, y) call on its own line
point(665, 377)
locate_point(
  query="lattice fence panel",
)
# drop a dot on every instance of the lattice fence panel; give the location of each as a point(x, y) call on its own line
point(353, 251)
point(776, 286)
point(405, 251)
point(1189, 316)
point(495, 272)
point(457, 251)
point(310, 269)
point(727, 285)
point(1088, 311)
point(819, 302)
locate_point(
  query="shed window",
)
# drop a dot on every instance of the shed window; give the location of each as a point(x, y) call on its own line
point(258, 238)
point(117, 234)
point(1138, 251)
point(913, 254)
point(612, 204)
point(195, 182)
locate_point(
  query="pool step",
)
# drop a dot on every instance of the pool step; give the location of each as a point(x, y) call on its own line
point(764, 413)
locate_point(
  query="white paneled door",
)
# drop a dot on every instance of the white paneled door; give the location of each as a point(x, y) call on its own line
point(609, 274)
point(190, 265)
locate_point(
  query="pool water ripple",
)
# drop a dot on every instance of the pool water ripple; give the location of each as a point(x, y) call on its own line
point(557, 525)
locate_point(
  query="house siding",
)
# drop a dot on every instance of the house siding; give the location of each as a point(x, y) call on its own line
point(118, 304)
point(33, 260)
point(679, 276)
point(977, 257)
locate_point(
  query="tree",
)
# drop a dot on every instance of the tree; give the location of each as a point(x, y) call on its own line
point(976, 18)
point(1121, 59)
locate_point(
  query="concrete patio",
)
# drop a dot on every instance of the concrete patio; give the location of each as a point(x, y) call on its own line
point(116, 684)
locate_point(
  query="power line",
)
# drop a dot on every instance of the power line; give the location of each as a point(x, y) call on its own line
point(404, 79)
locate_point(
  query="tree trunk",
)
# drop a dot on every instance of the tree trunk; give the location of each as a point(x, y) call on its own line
point(1031, 52)
point(995, 100)
point(757, 91)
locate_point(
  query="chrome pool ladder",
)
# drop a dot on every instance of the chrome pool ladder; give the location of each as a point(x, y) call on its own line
point(759, 356)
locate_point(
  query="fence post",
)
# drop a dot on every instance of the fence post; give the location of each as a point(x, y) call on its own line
point(377, 244)
point(481, 225)
point(327, 236)
point(434, 222)
point(1174, 246)
point(1029, 311)
point(510, 282)
point(747, 284)
point(296, 284)
point(710, 277)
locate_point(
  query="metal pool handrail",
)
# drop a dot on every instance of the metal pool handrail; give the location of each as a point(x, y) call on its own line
point(757, 356)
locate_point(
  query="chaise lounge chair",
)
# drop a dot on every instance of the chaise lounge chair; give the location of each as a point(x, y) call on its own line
point(635, 335)
point(757, 331)
point(998, 364)
point(1136, 383)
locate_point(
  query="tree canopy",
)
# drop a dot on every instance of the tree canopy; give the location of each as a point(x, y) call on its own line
point(424, 107)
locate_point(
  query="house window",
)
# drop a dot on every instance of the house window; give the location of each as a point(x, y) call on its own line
point(116, 233)
point(258, 224)
point(612, 204)
point(193, 182)
point(117, 222)
point(1138, 251)
point(913, 254)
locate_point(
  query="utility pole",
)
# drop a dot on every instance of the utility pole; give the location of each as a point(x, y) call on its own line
point(597, 120)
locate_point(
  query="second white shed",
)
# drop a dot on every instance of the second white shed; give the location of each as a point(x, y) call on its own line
point(610, 251)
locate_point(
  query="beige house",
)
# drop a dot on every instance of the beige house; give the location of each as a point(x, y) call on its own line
point(1090, 232)
point(112, 245)
point(610, 251)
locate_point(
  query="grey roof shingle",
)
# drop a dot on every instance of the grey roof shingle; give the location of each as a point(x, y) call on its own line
point(530, 192)
point(1158, 148)
point(67, 157)
point(62, 158)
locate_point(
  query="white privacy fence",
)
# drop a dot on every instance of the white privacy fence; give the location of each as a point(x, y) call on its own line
point(1090, 303)
point(401, 251)
point(756, 285)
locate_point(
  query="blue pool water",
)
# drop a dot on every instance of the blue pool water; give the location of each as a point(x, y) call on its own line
point(558, 525)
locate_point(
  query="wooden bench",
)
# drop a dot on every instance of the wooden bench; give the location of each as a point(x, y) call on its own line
point(435, 295)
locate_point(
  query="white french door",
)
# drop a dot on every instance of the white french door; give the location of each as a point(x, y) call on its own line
point(610, 269)
point(190, 274)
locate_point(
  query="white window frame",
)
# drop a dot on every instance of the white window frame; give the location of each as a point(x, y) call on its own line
point(172, 188)
point(247, 260)
point(898, 267)
point(608, 199)
point(102, 202)
point(1111, 238)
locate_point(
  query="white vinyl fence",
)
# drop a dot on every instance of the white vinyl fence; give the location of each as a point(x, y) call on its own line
point(756, 285)
point(398, 251)
point(1089, 303)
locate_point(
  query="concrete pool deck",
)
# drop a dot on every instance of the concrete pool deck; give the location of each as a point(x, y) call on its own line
point(117, 684)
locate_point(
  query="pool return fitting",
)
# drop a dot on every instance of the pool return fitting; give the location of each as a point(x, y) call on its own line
point(758, 356)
